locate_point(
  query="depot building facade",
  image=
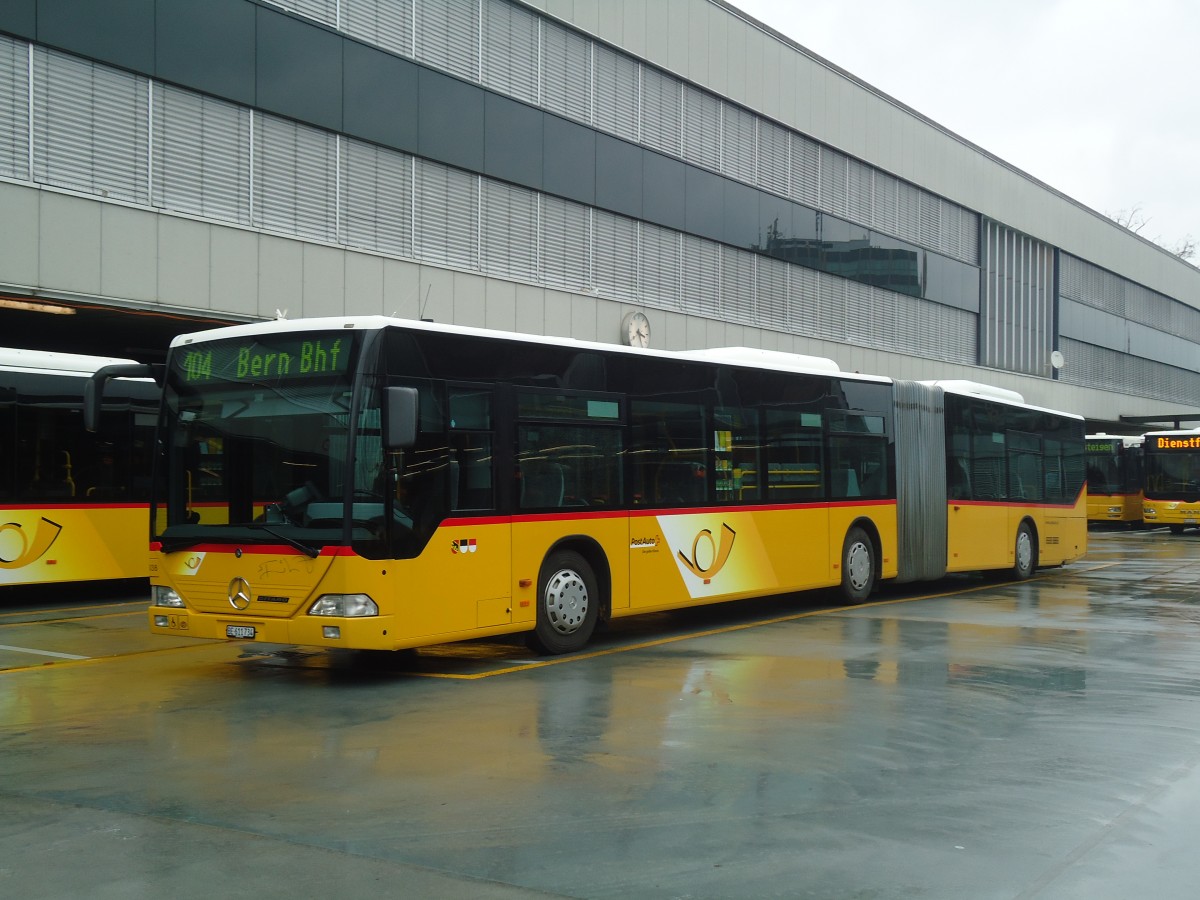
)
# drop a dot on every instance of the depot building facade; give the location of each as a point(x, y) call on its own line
point(548, 167)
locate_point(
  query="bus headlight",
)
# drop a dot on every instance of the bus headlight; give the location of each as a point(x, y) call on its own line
point(346, 605)
point(162, 595)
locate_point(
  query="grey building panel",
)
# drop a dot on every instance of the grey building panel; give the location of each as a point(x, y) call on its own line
point(1168, 349)
point(20, 231)
point(324, 289)
point(298, 69)
point(364, 284)
point(19, 17)
point(234, 272)
point(128, 254)
point(119, 32)
point(450, 117)
point(207, 45)
point(380, 99)
point(184, 262)
point(513, 141)
point(619, 176)
point(280, 278)
point(69, 243)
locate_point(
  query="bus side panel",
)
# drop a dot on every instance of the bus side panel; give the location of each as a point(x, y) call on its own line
point(533, 538)
point(980, 536)
point(460, 582)
point(84, 543)
point(883, 517)
point(1062, 533)
point(680, 559)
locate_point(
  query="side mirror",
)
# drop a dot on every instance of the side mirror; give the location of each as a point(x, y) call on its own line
point(93, 388)
point(400, 426)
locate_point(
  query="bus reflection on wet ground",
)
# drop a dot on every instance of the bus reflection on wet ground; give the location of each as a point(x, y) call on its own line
point(975, 738)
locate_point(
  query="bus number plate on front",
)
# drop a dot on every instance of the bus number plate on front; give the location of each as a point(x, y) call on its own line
point(239, 631)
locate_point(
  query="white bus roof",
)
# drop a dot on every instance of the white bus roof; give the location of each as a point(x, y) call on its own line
point(989, 392)
point(1126, 440)
point(48, 363)
point(1176, 431)
point(750, 357)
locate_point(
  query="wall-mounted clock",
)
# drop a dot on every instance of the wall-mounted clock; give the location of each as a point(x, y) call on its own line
point(635, 330)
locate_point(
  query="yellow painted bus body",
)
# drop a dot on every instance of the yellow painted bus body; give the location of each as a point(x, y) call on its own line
point(47, 543)
point(1174, 513)
point(1122, 508)
point(478, 577)
point(982, 535)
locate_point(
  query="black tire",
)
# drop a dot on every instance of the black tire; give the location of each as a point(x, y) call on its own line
point(860, 571)
point(1025, 557)
point(568, 604)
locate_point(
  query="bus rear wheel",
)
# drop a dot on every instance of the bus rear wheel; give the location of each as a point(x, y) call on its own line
point(859, 570)
point(568, 604)
point(1026, 553)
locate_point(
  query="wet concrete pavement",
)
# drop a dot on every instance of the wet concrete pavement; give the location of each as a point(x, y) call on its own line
point(970, 739)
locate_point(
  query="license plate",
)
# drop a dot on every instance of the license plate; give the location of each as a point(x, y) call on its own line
point(239, 631)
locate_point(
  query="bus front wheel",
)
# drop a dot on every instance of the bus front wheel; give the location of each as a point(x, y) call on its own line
point(858, 566)
point(568, 604)
point(1026, 553)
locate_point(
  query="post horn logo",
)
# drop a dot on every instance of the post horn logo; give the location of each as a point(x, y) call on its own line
point(718, 556)
point(44, 534)
point(239, 593)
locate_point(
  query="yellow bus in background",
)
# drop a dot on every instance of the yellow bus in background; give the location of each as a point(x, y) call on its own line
point(72, 503)
point(1171, 483)
point(374, 483)
point(1114, 478)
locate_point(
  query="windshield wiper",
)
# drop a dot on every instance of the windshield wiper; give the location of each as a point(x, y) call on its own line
point(304, 548)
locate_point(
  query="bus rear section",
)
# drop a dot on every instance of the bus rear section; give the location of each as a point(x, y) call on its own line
point(986, 481)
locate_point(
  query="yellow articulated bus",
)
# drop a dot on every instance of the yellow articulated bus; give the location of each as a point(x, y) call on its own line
point(1171, 481)
point(72, 503)
point(380, 484)
point(1114, 479)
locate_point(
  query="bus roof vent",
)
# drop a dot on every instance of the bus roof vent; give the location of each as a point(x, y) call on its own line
point(975, 389)
point(764, 359)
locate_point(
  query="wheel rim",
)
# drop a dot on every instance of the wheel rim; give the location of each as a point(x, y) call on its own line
point(858, 565)
point(1024, 551)
point(566, 601)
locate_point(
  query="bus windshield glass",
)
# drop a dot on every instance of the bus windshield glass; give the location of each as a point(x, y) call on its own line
point(1173, 469)
point(259, 440)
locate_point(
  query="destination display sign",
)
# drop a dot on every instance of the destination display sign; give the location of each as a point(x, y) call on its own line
point(1173, 442)
point(264, 358)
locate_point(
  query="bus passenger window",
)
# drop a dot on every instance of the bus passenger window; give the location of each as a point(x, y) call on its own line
point(793, 457)
point(735, 453)
point(567, 465)
point(668, 453)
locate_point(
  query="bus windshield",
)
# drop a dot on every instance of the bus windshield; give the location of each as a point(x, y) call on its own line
point(1173, 475)
point(259, 439)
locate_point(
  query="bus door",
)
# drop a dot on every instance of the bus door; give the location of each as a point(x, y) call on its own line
point(978, 515)
point(453, 572)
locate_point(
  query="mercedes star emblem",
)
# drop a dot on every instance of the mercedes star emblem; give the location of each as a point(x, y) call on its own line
point(239, 593)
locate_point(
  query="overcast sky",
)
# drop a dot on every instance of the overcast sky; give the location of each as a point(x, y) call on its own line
point(1094, 97)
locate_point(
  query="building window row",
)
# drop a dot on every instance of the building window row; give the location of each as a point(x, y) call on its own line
point(1096, 287)
point(112, 134)
point(516, 52)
